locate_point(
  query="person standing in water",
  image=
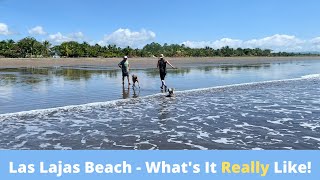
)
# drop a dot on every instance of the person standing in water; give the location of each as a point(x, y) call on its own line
point(125, 67)
point(162, 65)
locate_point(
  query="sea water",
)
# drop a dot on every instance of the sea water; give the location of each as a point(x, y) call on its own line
point(272, 107)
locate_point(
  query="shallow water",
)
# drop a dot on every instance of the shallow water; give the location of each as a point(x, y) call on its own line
point(33, 88)
point(281, 113)
point(271, 115)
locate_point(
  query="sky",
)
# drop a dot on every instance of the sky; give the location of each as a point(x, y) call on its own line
point(281, 25)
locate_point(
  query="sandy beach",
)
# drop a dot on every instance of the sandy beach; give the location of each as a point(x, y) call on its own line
point(143, 63)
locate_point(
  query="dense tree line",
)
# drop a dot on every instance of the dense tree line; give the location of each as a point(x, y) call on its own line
point(30, 47)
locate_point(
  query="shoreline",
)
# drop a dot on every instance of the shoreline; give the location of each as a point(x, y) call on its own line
point(142, 63)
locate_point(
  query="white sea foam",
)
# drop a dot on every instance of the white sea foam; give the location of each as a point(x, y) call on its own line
point(217, 118)
point(309, 138)
point(114, 102)
point(311, 76)
point(224, 141)
point(280, 121)
point(309, 125)
point(196, 146)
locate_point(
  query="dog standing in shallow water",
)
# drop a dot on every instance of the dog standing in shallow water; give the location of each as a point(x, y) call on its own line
point(171, 94)
point(135, 80)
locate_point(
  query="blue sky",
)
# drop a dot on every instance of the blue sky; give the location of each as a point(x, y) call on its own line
point(290, 25)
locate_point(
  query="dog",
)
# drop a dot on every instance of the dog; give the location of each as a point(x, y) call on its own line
point(135, 80)
point(171, 94)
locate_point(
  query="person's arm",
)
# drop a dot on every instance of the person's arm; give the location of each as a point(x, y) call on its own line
point(158, 64)
point(170, 64)
point(120, 64)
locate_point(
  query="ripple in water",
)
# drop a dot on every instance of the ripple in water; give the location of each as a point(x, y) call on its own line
point(271, 115)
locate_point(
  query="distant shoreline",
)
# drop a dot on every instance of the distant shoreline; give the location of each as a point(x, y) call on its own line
point(143, 63)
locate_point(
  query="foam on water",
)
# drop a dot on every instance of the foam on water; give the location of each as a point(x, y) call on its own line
point(310, 76)
point(114, 102)
point(281, 114)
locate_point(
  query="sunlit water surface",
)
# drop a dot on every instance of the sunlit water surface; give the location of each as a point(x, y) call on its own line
point(237, 110)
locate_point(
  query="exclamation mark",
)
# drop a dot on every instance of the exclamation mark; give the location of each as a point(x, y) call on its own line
point(309, 167)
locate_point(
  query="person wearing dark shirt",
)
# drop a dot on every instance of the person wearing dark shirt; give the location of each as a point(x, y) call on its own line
point(162, 66)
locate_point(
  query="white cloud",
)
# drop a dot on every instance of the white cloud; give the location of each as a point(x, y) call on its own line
point(137, 39)
point(77, 36)
point(4, 29)
point(126, 37)
point(214, 44)
point(197, 44)
point(38, 30)
point(315, 43)
point(60, 38)
point(276, 42)
point(227, 42)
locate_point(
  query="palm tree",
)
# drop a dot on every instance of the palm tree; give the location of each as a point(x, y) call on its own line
point(47, 46)
point(64, 49)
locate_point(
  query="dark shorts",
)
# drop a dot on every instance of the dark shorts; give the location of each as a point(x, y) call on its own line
point(124, 74)
point(162, 75)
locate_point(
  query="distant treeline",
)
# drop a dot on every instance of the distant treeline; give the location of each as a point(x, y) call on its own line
point(30, 47)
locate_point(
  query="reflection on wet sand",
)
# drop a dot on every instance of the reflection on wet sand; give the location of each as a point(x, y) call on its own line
point(37, 75)
point(136, 92)
point(125, 92)
point(223, 68)
point(155, 72)
point(38, 88)
point(235, 67)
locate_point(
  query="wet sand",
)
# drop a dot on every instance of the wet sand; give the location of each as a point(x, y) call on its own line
point(142, 63)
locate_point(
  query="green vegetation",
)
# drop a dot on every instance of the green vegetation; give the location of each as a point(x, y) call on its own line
point(31, 48)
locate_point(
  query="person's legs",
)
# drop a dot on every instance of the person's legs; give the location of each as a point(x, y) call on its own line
point(128, 80)
point(162, 77)
point(125, 74)
point(164, 84)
